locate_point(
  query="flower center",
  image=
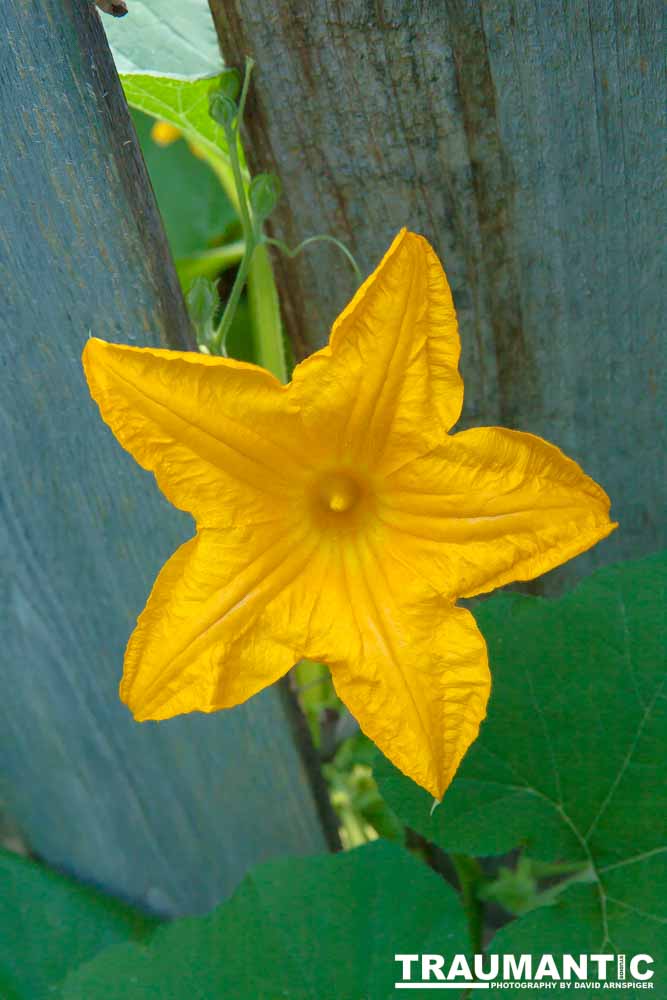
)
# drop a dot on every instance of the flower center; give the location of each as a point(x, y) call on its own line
point(339, 492)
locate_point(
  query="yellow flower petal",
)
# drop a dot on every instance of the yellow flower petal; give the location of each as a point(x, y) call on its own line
point(216, 433)
point(389, 377)
point(199, 644)
point(490, 506)
point(164, 134)
point(416, 677)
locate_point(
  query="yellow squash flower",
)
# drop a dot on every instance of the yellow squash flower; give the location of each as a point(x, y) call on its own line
point(337, 519)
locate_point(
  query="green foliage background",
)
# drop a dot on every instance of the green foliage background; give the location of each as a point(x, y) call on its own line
point(569, 769)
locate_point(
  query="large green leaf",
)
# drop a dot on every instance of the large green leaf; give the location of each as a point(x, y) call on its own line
point(165, 36)
point(571, 926)
point(49, 925)
point(571, 760)
point(168, 58)
point(324, 928)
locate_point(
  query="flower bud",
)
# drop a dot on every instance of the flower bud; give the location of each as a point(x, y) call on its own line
point(229, 83)
point(263, 195)
point(222, 108)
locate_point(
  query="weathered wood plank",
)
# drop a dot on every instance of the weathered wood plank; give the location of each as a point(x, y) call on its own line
point(169, 815)
point(524, 140)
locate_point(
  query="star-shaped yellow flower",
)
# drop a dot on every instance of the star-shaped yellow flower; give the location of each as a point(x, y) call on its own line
point(338, 520)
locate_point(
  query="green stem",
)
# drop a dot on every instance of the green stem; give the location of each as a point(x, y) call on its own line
point(255, 266)
point(264, 307)
point(547, 896)
point(208, 263)
point(232, 142)
point(249, 64)
point(316, 239)
point(470, 876)
point(231, 135)
point(218, 342)
point(543, 869)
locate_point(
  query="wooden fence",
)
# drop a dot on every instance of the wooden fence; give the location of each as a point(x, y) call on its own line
point(169, 815)
point(525, 139)
point(522, 138)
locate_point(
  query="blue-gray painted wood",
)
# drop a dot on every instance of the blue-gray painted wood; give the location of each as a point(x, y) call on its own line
point(169, 815)
point(525, 139)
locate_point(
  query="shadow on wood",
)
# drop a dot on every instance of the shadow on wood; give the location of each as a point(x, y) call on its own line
point(168, 815)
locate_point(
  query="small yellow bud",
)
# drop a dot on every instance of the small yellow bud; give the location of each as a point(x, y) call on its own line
point(163, 134)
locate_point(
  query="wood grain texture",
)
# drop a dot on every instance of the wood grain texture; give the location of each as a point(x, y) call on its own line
point(523, 139)
point(169, 815)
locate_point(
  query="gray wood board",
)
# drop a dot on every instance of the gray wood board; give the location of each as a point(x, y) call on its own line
point(169, 815)
point(524, 139)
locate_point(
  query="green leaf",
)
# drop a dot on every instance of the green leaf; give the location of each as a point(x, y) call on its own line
point(567, 927)
point(168, 61)
point(571, 926)
point(324, 928)
point(49, 925)
point(184, 104)
point(164, 38)
point(571, 760)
